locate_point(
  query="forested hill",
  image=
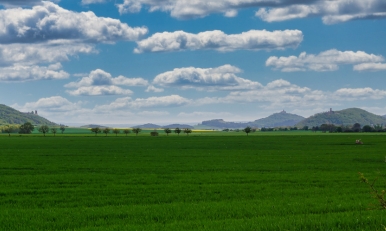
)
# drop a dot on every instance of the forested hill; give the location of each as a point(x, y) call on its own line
point(344, 117)
point(281, 119)
point(9, 115)
point(278, 120)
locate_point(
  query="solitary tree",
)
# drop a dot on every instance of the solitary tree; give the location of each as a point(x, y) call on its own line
point(136, 131)
point(116, 131)
point(187, 131)
point(367, 128)
point(106, 131)
point(356, 127)
point(54, 131)
point(96, 130)
point(8, 129)
point(126, 131)
point(26, 128)
point(177, 130)
point(247, 130)
point(62, 128)
point(167, 131)
point(44, 129)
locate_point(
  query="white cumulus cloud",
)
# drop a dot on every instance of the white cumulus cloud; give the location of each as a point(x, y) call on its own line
point(330, 11)
point(49, 21)
point(219, 78)
point(351, 94)
point(325, 61)
point(218, 40)
point(21, 73)
point(151, 102)
point(370, 67)
point(151, 88)
point(87, 2)
point(54, 103)
point(100, 82)
point(50, 52)
point(99, 90)
point(268, 10)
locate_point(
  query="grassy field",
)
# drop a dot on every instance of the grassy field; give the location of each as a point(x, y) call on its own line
point(211, 182)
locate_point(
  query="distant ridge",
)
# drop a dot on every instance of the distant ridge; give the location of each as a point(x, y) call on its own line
point(221, 124)
point(9, 115)
point(148, 125)
point(281, 119)
point(348, 116)
point(93, 126)
point(178, 126)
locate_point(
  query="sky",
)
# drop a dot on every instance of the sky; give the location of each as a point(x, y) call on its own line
point(183, 61)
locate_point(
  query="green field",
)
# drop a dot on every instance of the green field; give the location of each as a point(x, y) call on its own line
point(265, 181)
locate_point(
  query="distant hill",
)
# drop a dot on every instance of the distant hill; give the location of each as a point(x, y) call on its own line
point(92, 126)
point(221, 124)
point(275, 120)
point(146, 126)
point(9, 115)
point(280, 119)
point(178, 126)
point(344, 117)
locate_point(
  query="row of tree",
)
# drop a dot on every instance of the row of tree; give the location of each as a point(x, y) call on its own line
point(116, 131)
point(28, 128)
point(354, 128)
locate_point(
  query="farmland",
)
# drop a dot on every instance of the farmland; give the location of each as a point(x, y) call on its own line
point(204, 181)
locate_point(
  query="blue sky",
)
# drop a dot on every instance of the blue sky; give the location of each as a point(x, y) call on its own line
point(179, 61)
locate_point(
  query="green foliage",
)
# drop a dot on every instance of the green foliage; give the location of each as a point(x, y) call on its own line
point(54, 131)
point(26, 128)
point(379, 195)
point(177, 130)
point(62, 128)
point(116, 131)
point(9, 115)
point(167, 131)
point(136, 131)
point(154, 133)
point(126, 131)
point(96, 130)
point(247, 130)
point(187, 131)
point(106, 131)
point(44, 129)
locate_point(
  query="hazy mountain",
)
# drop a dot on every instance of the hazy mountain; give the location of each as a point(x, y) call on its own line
point(275, 120)
point(9, 115)
point(281, 119)
point(171, 126)
point(147, 126)
point(344, 117)
point(93, 126)
point(221, 124)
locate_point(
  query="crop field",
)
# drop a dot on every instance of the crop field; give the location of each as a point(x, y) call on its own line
point(211, 182)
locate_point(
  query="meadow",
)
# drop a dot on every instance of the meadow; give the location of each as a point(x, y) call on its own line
point(211, 181)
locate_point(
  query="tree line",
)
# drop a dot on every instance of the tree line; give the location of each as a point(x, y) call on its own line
point(331, 128)
point(28, 128)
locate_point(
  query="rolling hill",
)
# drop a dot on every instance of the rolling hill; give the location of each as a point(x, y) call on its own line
point(148, 126)
point(9, 115)
point(281, 119)
point(171, 126)
point(348, 116)
point(221, 124)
